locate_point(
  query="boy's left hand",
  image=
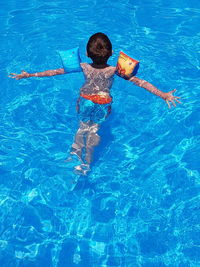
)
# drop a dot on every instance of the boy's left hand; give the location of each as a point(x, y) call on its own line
point(16, 76)
point(168, 97)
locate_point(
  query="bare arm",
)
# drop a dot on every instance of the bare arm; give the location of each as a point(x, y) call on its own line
point(46, 73)
point(168, 97)
point(148, 86)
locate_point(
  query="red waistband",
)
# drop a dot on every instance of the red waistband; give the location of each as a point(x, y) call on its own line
point(98, 99)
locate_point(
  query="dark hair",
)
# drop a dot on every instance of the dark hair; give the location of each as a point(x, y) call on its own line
point(99, 48)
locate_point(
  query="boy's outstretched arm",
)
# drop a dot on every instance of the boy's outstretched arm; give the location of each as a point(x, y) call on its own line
point(168, 97)
point(46, 73)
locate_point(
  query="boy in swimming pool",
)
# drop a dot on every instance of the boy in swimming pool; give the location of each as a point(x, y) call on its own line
point(94, 103)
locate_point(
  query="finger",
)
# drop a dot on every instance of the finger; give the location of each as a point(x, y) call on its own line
point(168, 104)
point(178, 101)
point(177, 97)
point(173, 91)
point(13, 77)
point(173, 103)
point(13, 73)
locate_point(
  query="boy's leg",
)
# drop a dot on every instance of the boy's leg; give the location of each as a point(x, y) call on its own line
point(85, 140)
point(92, 140)
point(79, 140)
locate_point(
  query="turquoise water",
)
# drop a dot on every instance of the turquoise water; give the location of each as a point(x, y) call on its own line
point(140, 204)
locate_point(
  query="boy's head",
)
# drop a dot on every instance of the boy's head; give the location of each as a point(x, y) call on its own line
point(99, 48)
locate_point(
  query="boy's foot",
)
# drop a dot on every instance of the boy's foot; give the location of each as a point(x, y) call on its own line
point(82, 169)
point(73, 157)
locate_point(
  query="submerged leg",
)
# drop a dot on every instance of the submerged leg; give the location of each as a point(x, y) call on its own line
point(92, 140)
point(79, 140)
point(85, 141)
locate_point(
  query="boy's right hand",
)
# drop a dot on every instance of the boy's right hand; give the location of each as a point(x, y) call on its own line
point(24, 74)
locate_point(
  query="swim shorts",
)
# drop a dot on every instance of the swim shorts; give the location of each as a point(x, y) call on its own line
point(90, 111)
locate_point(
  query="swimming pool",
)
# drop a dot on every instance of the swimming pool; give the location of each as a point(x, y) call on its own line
point(140, 205)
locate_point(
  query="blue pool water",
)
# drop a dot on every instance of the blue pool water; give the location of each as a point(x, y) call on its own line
point(140, 204)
